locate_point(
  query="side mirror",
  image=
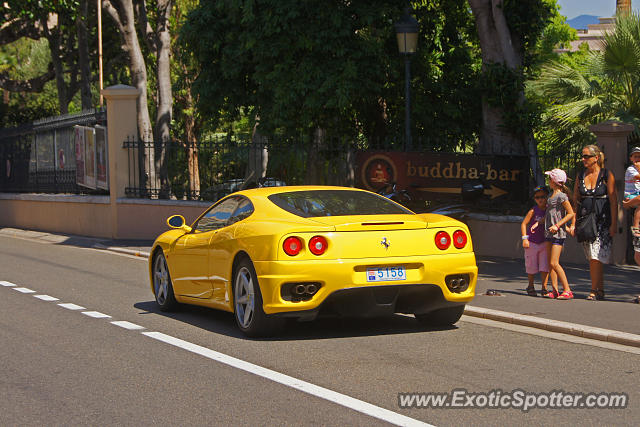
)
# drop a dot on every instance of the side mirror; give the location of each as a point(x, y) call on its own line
point(178, 221)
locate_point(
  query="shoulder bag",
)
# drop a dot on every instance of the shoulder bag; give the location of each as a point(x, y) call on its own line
point(586, 225)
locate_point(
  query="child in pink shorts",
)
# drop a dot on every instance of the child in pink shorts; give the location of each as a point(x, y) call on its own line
point(536, 259)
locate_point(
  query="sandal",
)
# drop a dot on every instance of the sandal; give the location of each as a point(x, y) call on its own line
point(552, 294)
point(600, 294)
point(635, 231)
point(592, 296)
point(636, 300)
point(566, 295)
point(544, 292)
point(531, 291)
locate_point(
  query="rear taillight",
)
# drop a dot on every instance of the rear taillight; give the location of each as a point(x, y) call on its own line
point(318, 245)
point(459, 239)
point(443, 240)
point(292, 246)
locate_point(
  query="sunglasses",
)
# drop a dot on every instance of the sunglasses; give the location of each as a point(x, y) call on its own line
point(588, 156)
point(540, 197)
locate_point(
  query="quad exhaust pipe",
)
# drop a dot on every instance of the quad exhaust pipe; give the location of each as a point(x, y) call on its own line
point(300, 291)
point(457, 283)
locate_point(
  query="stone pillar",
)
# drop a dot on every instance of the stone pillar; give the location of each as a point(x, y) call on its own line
point(121, 124)
point(612, 140)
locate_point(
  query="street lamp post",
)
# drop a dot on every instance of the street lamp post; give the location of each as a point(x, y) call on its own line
point(407, 34)
point(100, 76)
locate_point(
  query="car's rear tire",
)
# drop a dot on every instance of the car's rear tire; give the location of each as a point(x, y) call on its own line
point(162, 286)
point(442, 317)
point(247, 303)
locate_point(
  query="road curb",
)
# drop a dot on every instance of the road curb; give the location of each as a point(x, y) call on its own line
point(133, 252)
point(551, 325)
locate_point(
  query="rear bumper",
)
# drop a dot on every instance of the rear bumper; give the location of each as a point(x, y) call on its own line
point(376, 301)
point(344, 288)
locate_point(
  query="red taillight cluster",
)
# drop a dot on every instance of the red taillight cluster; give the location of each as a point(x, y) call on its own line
point(443, 240)
point(317, 245)
point(293, 245)
point(459, 239)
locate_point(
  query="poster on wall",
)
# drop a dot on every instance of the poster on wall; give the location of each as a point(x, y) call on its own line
point(102, 156)
point(90, 158)
point(85, 156)
point(79, 145)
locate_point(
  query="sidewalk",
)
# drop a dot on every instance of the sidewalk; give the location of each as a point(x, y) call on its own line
point(507, 276)
point(594, 319)
point(131, 247)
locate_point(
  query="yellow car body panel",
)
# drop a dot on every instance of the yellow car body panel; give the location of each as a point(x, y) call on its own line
point(340, 274)
point(201, 263)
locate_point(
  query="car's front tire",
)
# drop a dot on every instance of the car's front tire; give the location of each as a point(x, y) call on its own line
point(442, 317)
point(162, 286)
point(247, 301)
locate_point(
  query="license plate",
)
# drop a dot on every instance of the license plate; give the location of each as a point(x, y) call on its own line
point(384, 274)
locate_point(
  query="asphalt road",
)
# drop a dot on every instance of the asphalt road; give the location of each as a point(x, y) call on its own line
point(60, 365)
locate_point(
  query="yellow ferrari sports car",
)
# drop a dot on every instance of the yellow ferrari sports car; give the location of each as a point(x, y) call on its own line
point(267, 254)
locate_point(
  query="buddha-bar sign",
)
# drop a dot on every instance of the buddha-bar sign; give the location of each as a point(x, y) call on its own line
point(431, 176)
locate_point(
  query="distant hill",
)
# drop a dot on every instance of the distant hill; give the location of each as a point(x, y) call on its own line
point(581, 22)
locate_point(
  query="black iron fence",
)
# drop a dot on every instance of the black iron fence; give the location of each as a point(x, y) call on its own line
point(568, 159)
point(211, 169)
point(40, 157)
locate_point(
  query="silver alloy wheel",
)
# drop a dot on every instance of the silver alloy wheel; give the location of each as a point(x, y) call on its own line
point(245, 297)
point(161, 279)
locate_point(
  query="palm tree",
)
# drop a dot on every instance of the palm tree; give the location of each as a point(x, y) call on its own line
point(601, 86)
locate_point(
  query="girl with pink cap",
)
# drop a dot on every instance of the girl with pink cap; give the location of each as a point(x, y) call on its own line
point(556, 228)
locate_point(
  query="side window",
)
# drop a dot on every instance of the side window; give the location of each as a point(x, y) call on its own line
point(218, 216)
point(244, 210)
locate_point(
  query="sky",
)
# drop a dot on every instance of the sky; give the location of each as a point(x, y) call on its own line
point(600, 8)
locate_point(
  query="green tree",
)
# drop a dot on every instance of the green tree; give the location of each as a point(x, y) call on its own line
point(515, 35)
point(300, 67)
point(140, 26)
point(69, 29)
point(23, 63)
point(189, 122)
point(598, 86)
point(63, 24)
point(509, 31)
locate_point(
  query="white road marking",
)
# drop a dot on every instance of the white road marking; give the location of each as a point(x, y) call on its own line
point(127, 325)
point(24, 290)
point(312, 389)
point(95, 314)
point(3, 283)
point(549, 334)
point(46, 297)
point(70, 306)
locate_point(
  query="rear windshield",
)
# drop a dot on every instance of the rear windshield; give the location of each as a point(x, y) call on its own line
point(315, 203)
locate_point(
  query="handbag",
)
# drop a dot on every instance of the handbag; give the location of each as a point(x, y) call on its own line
point(586, 228)
point(586, 224)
